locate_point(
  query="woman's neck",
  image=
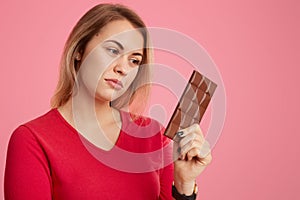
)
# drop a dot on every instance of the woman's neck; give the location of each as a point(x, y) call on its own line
point(96, 120)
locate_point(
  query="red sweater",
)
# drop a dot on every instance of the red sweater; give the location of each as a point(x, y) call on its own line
point(48, 159)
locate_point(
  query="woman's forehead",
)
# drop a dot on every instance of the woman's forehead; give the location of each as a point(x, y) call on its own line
point(124, 33)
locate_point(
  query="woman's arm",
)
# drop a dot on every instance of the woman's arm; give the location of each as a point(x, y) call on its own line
point(194, 154)
point(191, 154)
point(166, 173)
point(27, 174)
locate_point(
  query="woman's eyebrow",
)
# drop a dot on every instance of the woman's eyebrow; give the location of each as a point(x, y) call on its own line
point(122, 48)
point(137, 54)
point(117, 43)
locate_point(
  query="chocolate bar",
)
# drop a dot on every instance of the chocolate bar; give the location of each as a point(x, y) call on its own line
point(192, 104)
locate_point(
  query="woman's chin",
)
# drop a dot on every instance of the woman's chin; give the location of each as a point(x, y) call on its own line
point(106, 98)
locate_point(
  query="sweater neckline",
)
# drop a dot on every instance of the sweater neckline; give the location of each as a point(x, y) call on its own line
point(124, 120)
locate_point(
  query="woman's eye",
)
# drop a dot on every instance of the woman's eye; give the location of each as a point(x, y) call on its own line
point(135, 61)
point(113, 51)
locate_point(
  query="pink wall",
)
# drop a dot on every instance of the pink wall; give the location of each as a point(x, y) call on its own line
point(256, 46)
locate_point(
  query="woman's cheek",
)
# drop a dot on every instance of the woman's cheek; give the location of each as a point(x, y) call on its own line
point(93, 67)
point(131, 76)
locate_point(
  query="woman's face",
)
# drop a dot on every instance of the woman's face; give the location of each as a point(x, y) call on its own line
point(111, 60)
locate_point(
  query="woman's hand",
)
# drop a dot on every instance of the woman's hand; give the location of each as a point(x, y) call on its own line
point(192, 155)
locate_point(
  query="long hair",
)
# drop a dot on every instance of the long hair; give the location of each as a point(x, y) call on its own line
point(89, 25)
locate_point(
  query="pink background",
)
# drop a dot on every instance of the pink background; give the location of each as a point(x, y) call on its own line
point(256, 46)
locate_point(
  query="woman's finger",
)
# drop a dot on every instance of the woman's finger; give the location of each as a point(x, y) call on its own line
point(206, 160)
point(204, 149)
point(195, 128)
point(194, 143)
point(188, 138)
point(195, 148)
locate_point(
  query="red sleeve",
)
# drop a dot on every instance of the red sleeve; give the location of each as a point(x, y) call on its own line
point(27, 175)
point(166, 174)
point(166, 180)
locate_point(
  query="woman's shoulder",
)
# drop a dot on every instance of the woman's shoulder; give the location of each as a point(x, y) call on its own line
point(27, 133)
point(142, 134)
point(47, 119)
point(43, 124)
point(139, 119)
point(142, 126)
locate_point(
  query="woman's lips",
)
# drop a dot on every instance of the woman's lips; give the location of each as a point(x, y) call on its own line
point(115, 83)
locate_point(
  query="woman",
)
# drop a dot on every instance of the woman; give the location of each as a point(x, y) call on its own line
point(61, 155)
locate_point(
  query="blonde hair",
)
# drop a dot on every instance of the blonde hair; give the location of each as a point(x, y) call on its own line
point(88, 26)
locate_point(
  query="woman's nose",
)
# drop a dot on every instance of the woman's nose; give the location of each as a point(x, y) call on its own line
point(121, 66)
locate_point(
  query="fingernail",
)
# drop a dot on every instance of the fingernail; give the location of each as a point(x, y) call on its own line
point(179, 150)
point(180, 133)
